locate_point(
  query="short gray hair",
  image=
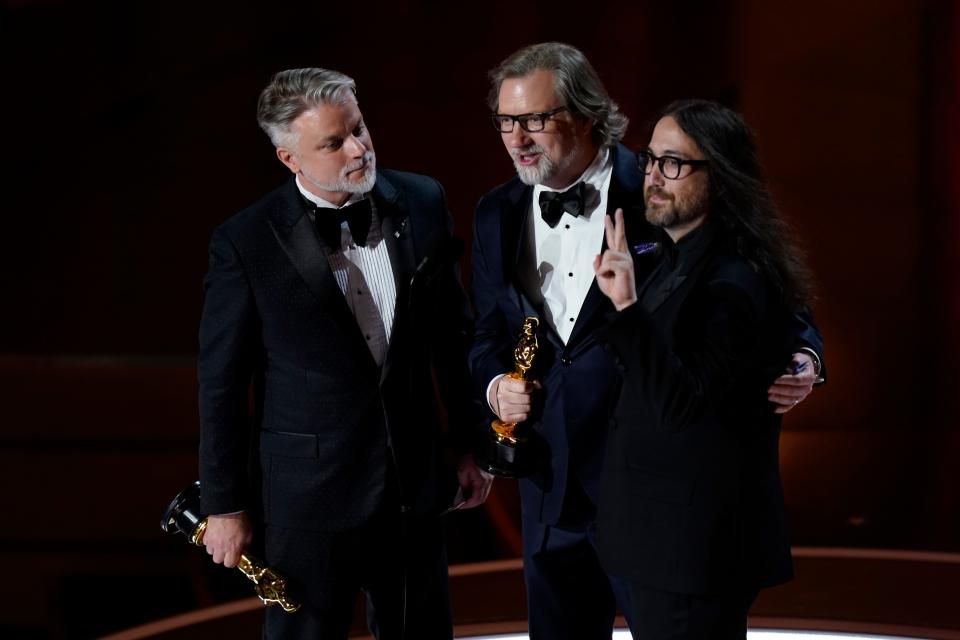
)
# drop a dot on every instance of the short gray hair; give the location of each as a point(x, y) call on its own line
point(294, 91)
point(576, 82)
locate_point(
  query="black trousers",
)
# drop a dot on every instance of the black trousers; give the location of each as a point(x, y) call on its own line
point(397, 561)
point(659, 615)
point(569, 595)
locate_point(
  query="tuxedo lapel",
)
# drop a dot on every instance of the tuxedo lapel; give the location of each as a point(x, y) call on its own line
point(669, 286)
point(513, 216)
point(626, 191)
point(394, 217)
point(514, 230)
point(673, 283)
point(295, 233)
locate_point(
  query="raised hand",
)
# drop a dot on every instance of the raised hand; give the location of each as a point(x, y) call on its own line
point(614, 268)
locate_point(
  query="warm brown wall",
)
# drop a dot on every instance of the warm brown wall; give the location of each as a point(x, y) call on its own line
point(842, 97)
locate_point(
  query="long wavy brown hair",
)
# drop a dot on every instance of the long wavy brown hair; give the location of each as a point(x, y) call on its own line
point(741, 198)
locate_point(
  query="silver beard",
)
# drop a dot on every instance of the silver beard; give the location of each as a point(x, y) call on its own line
point(344, 185)
point(535, 174)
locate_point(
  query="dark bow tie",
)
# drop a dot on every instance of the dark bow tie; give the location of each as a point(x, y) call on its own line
point(357, 216)
point(554, 203)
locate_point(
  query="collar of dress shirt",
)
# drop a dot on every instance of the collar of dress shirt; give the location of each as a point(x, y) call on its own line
point(596, 175)
point(320, 202)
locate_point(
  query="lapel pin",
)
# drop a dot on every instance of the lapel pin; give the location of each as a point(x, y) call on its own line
point(645, 247)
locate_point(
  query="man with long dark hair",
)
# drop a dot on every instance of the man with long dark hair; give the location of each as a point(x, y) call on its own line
point(691, 509)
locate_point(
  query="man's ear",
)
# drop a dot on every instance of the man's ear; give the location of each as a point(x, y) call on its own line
point(288, 160)
point(588, 124)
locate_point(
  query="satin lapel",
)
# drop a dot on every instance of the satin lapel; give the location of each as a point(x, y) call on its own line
point(667, 289)
point(394, 220)
point(626, 190)
point(513, 237)
point(513, 215)
point(674, 283)
point(294, 232)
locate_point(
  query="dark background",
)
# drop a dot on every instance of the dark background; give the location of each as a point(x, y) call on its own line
point(130, 134)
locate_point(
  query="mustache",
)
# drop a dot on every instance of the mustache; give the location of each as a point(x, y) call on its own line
point(359, 164)
point(534, 148)
point(654, 189)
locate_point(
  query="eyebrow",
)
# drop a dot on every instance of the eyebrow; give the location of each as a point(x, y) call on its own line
point(325, 141)
point(675, 153)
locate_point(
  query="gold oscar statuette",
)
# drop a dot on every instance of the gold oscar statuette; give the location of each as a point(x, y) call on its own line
point(505, 454)
point(182, 515)
point(522, 362)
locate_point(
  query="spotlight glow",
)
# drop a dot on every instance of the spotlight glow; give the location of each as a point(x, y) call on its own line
point(752, 634)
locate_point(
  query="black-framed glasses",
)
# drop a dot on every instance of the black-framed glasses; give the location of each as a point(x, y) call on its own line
point(670, 166)
point(529, 122)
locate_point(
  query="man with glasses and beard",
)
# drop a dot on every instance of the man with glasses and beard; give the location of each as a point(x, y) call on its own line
point(691, 508)
point(535, 239)
point(324, 327)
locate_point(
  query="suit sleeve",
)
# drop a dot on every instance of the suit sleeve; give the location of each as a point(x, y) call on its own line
point(490, 353)
point(229, 333)
point(681, 382)
point(807, 335)
point(451, 349)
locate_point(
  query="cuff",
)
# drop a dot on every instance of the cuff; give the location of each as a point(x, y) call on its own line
point(817, 365)
point(486, 396)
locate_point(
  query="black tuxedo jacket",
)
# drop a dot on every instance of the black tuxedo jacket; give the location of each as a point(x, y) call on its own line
point(691, 499)
point(570, 417)
point(284, 370)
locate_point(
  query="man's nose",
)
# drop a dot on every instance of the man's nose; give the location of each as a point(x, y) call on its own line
point(518, 137)
point(355, 147)
point(655, 176)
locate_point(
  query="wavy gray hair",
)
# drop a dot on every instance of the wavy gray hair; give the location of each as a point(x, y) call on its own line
point(294, 91)
point(576, 82)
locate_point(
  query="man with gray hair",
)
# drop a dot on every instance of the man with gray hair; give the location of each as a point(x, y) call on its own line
point(331, 306)
point(535, 239)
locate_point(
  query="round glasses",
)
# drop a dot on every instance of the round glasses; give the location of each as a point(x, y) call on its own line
point(670, 166)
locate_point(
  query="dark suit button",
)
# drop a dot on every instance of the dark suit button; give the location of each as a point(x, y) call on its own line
point(613, 423)
point(564, 360)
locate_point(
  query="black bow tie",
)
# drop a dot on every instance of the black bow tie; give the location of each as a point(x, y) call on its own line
point(554, 203)
point(357, 216)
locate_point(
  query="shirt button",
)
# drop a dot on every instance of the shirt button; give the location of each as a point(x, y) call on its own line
point(572, 320)
point(566, 226)
point(368, 336)
point(359, 292)
point(570, 274)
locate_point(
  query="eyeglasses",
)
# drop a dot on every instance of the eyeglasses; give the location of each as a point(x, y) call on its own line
point(529, 122)
point(670, 167)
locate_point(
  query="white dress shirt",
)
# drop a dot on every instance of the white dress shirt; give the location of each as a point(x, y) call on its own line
point(558, 263)
point(556, 266)
point(365, 277)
